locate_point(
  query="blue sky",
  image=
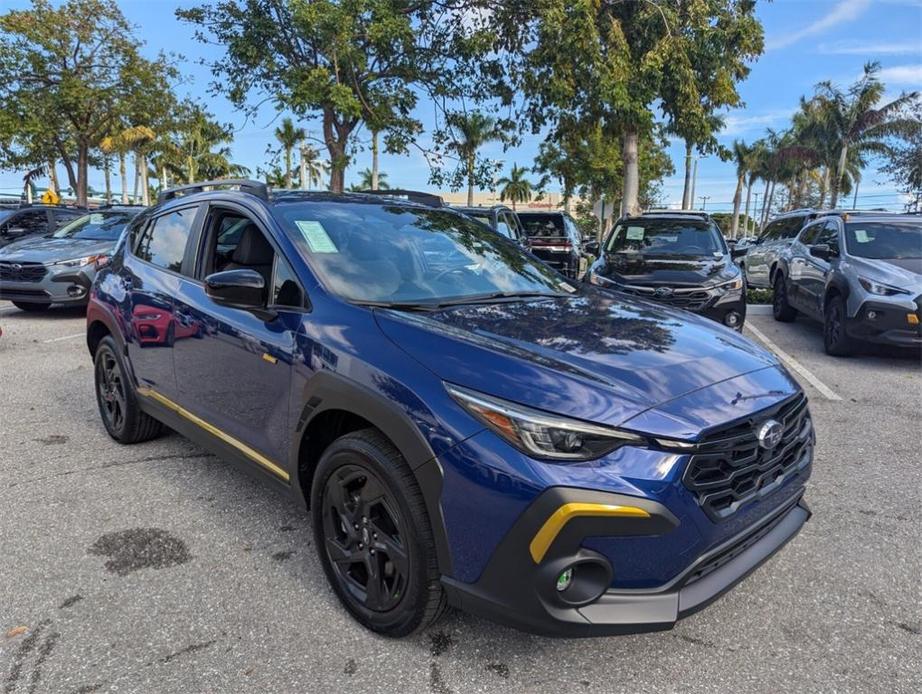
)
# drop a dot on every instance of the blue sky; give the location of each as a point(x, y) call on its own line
point(806, 41)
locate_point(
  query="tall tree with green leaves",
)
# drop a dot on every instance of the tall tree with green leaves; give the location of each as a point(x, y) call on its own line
point(199, 147)
point(289, 137)
point(312, 167)
point(858, 120)
point(342, 61)
point(367, 180)
point(515, 187)
point(469, 132)
point(68, 72)
point(742, 159)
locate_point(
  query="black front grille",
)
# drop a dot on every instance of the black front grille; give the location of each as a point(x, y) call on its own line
point(21, 272)
point(729, 468)
point(688, 298)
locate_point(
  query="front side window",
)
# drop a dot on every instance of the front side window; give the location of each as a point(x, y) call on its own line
point(163, 242)
point(829, 235)
point(543, 226)
point(668, 237)
point(29, 222)
point(884, 240)
point(810, 233)
point(396, 254)
point(97, 226)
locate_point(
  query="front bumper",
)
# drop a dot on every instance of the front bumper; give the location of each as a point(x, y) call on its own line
point(66, 286)
point(519, 591)
point(892, 323)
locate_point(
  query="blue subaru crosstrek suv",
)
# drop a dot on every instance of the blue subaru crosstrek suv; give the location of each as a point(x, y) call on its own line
point(467, 426)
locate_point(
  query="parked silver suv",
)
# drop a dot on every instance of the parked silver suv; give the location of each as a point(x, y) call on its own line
point(56, 269)
point(762, 255)
point(858, 273)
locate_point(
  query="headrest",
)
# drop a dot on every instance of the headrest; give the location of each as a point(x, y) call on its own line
point(253, 248)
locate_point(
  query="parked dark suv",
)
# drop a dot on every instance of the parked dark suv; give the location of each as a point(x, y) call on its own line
point(467, 426)
point(500, 219)
point(675, 258)
point(554, 238)
point(858, 273)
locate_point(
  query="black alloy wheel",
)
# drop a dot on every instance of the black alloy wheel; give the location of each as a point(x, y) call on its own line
point(118, 405)
point(781, 310)
point(835, 338)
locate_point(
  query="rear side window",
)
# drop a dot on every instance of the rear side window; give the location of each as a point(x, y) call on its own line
point(163, 242)
point(541, 226)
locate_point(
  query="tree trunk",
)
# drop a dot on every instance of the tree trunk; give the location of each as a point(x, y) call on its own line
point(137, 175)
point(824, 186)
point(764, 200)
point(145, 186)
point(748, 198)
point(123, 174)
point(631, 191)
point(737, 199)
point(470, 181)
point(837, 181)
point(107, 174)
point(287, 167)
point(768, 206)
point(686, 190)
point(53, 175)
point(374, 161)
point(302, 170)
point(83, 156)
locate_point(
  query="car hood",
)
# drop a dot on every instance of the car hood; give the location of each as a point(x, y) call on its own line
point(596, 356)
point(636, 268)
point(900, 272)
point(45, 250)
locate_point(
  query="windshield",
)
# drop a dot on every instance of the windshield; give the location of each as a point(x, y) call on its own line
point(665, 237)
point(402, 254)
point(884, 240)
point(4, 214)
point(97, 226)
point(539, 226)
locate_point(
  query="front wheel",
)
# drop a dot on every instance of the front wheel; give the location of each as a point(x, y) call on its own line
point(781, 310)
point(118, 405)
point(373, 535)
point(836, 340)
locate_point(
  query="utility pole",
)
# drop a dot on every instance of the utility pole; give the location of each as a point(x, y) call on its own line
point(855, 201)
point(704, 201)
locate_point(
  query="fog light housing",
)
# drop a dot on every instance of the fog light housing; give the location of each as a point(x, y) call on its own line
point(872, 315)
point(75, 290)
point(732, 319)
point(564, 579)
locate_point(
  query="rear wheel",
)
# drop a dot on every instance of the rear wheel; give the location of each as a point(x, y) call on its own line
point(373, 535)
point(781, 309)
point(118, 404)
point(31, 308)
point(836, 340)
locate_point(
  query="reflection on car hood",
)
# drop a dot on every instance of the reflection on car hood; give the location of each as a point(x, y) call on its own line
point(46, 250)
point(598, 356)
point(900, 272)
point(635, 268)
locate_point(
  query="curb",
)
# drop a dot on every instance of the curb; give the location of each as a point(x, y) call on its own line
point(758, 309)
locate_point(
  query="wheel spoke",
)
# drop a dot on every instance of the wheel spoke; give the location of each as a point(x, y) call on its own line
point(375, 590)
point(371, 493)
point(342, 555)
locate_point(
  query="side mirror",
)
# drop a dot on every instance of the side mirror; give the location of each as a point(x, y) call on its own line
point(823, 251)
point(592, 248)
point(737, 252)
point(243, 288)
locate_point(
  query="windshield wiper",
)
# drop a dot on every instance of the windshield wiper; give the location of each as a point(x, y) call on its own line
point(460, 301)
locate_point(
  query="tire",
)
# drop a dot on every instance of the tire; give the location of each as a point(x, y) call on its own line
point(781, 310)
point(836, 340)
point(31, 308)
point(383, 568)
point(118, 404)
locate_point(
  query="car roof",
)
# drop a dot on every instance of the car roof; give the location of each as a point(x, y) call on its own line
point(473, 209)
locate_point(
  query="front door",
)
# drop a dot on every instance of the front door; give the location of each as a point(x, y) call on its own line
point(233, 367)
point(817, 269)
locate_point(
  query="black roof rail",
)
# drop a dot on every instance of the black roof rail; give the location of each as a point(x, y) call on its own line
point(257, 188)
point(416, 196)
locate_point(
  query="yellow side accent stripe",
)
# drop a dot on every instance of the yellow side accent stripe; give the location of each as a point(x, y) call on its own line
point(269, 358)
point(545, 537)
point(214, 431)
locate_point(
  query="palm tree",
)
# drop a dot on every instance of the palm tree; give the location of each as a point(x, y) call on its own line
point(742, 157)
point(515, 187)
point(114, 144)
point(289, 136)
point(367, 180)
point(474, 130)
point(857, 122)
point(313, 168)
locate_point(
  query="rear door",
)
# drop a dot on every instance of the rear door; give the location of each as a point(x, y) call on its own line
point(233, 367)
point(757, 257)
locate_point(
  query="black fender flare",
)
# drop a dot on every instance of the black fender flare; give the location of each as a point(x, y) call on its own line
point(327, 391)
point(838, 283)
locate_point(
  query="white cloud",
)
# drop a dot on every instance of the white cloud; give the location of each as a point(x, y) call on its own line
point(843, 11)
point(870, 48)
point(743, 122)
point(902, 74)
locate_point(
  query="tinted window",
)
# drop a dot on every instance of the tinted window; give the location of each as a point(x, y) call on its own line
point(829, 233)
point(886, 240)
point(809, 233)
point(29, 222)
point(482, 218)
point(791, 227)
point(164, 240)
point(664, 237)
point(408, 254)
point(61, 217)
point(285, 288)
point(502, 226)
point(772, 231)
point(100, 226)
point(543, 225)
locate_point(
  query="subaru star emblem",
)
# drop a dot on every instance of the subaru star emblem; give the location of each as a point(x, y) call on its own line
point(16, 266)
point(770, 434)
point(663, 291)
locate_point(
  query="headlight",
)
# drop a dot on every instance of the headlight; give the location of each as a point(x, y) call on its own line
point(880, 289)
point(540, 434)
point(599, 280)
point(732, 284)
point(74, 262)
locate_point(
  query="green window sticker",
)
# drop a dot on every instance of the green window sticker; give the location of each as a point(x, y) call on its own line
point(318, 240)
point(635, 233)
point(861, 236)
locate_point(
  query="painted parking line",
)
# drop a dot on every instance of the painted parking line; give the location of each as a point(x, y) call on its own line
point(66, 337)
point(824, 390)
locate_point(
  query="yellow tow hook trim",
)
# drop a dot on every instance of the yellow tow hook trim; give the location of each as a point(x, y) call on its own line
point(545, 537)
point(253, 455)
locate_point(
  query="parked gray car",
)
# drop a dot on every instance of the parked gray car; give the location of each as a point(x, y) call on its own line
point(860, 274)
point(59, 268)
point(762, 255)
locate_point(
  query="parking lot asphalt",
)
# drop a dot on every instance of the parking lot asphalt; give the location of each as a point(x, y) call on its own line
point(232, 599)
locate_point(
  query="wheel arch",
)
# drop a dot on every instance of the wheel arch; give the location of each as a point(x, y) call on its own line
point(835, 287)
point(334, 406)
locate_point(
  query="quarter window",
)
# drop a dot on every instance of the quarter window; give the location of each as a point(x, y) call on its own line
point(163, 242)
